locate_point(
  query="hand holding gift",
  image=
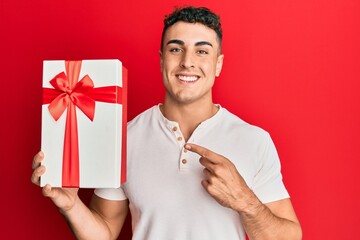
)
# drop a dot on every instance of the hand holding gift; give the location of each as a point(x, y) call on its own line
point(63, 198)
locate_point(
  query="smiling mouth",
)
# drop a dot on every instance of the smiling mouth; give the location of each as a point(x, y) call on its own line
point(187, 78)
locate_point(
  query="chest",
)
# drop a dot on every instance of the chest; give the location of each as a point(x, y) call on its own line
point(162, 173)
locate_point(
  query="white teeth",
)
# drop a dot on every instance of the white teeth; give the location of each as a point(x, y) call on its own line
point(188, 78)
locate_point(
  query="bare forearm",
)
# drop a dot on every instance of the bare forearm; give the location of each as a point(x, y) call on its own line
point(223, 182)
point(86, 224)
point(260, 223)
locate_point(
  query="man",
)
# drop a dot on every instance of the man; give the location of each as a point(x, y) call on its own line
point(195, 171)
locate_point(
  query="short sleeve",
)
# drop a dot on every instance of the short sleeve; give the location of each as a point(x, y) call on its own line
point(268, 185)
point(111, 193)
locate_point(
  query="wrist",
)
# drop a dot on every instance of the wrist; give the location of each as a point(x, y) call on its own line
point(73, 205)
point(249, 206)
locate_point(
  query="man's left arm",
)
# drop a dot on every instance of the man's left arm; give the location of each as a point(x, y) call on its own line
point(274, 220)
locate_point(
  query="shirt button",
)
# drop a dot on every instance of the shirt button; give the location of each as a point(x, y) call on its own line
point(184, 161)
point(185, 150)
point(174, 129)
point(179, 139)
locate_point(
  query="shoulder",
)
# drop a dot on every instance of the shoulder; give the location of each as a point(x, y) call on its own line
point(235, 124)
point(143, 117)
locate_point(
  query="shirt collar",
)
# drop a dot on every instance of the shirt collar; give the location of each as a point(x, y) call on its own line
point(208, 122)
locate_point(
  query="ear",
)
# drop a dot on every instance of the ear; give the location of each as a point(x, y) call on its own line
point(219, 64)
point(161, 60)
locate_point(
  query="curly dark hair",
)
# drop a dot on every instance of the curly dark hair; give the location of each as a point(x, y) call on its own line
point(194, 15)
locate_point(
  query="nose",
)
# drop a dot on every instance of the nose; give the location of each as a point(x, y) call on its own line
point(187, 61)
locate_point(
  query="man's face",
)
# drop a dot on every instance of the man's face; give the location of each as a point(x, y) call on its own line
point(190, 61)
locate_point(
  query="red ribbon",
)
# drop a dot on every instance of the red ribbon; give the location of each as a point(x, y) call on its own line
point(69, 93)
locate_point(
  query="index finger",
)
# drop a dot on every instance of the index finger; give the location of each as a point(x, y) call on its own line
point(203, 152)
point(37, 160)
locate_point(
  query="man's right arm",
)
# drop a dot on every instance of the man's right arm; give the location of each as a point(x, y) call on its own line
point(103, 219)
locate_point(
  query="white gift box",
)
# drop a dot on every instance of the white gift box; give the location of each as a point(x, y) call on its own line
point(83, 126)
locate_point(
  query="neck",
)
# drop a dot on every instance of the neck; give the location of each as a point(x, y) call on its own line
point(188, 115)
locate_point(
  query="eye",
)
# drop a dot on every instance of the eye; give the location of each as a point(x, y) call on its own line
point(202, 52)
point(175, 50)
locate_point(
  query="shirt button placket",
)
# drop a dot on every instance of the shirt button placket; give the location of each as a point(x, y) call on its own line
point(184, 164)
point(180, 139)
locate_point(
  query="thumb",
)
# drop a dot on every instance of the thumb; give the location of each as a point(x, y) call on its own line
point(48, 191)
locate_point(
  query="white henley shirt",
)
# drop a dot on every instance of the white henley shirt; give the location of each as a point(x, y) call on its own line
point(167, 200)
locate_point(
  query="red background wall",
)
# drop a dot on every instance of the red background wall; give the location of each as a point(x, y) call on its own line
point(291, 67)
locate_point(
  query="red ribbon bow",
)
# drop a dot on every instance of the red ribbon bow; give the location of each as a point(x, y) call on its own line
point(69, 93)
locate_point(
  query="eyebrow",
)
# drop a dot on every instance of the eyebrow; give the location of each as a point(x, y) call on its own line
point(180, 42)
point(203, 43)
